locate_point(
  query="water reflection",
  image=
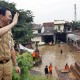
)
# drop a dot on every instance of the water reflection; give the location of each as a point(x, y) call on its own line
point(70, 59)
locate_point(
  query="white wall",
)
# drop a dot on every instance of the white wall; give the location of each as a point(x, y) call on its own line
point(61, 27)
point(42, 30)
point(35, 31)
point(38, 38)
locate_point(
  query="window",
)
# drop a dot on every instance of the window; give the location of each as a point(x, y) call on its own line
point(59, 27)
point(39, 31)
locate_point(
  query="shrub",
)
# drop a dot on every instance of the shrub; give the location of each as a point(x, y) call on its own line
point(25, 64)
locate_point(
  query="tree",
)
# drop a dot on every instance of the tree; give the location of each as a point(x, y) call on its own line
point(75, 25)
point(25, 63)
point(22, 32)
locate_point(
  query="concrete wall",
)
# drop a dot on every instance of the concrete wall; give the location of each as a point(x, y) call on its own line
point(35, 31)
point(38, 38)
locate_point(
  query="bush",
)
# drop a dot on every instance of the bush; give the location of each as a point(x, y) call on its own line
point(25, 63)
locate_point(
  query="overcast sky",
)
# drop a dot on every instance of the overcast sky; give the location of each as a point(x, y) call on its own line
point(50, 10)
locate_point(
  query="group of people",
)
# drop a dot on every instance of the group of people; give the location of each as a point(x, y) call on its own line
point(48, 69)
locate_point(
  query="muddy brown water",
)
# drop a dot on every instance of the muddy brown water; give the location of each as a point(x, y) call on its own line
point(51, 54)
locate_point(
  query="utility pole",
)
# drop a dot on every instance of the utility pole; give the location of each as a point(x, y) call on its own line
point(75, 14)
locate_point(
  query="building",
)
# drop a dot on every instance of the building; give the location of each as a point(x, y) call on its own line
point(49, 32)
point(59, 25)
point(59, 29)
point(37, 30)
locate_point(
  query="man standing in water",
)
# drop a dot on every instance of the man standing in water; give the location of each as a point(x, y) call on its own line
point(61, 51)
point(46, 70)
point(7, 52)
point(50, 68)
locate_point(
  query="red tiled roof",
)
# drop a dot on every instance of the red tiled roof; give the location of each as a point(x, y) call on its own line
point(48, 24)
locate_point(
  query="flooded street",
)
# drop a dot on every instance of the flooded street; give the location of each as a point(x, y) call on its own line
point(51, 54)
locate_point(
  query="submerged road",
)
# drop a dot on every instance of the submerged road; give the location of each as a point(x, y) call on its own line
point(51, 54)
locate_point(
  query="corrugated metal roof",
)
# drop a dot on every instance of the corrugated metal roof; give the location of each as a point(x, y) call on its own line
point(37, 26)
point(73, 37)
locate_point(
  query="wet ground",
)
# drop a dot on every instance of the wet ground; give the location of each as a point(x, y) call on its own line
point(51, 54)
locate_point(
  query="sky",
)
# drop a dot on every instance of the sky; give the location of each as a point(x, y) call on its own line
point(49, 10)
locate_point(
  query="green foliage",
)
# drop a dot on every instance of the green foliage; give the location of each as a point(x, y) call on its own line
point(11, 6)
point(22, 32)
point(75, 25)
point(25, 64)
point(38, 77)
point(15, 76)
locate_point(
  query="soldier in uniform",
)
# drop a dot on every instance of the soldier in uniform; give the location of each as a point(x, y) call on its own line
point(7, 52)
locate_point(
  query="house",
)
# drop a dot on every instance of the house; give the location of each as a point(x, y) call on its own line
point(37, 29)
point(59, 29)
point(49, 32)
point(59, 25)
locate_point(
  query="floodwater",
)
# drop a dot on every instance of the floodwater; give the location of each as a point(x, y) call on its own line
point(51, 54)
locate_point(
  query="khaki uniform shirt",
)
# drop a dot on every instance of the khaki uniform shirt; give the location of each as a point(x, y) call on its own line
point(6, 44)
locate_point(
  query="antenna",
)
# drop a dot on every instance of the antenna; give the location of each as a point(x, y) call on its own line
point(75, 15)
